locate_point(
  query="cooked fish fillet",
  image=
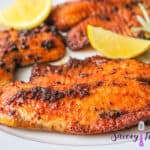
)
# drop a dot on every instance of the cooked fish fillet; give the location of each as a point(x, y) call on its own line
point(121, 22)
point(67, 15)
point(106, 96)
point(6, 76)
point(21, 48)
point(77, 38)
point(118, 16)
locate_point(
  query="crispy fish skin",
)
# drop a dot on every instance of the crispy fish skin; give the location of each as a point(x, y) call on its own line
point(22, 48)
point(118, 97)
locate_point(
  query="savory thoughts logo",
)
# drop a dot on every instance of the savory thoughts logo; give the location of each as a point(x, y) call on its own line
point(140, 137)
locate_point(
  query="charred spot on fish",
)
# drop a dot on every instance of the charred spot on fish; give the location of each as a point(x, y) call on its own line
point(113, 71)
point(11, 112)
point(82, 33)
point(114, 83)
point(73, 63)
point(56, 95)
point(1, 108)
point(47, 44)
point(36, 30)
point(37, 58)
point(58, 82)
point(9, 70)
point(17, 61)
point(19, 95)
point(2, 64)
point(71, 93)
point(115, 8)
point(128, 6)
point(30, 56)
point(39, 117)
point(49, 28)
point(99, 61)
point(39, 93)
point(105, 18)
point(99, 83)
point(145, 81)
point(45, 94)
point(95, 109)
point(114, 114)
point(102, 115)
point(59, 70)
point(24, 33)
point(20, 101)
point(12, 46)
point(135, 2)
point(53, 29)
point(24, 44)
point(82, 90)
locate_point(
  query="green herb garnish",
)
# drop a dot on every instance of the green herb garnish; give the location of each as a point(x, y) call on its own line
point(144, 21)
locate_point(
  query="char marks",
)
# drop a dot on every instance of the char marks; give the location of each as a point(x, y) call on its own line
point(25, 47)
point(90, 96)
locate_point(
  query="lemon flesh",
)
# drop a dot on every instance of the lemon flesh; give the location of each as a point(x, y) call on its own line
point(114, 46)
point(26, 14)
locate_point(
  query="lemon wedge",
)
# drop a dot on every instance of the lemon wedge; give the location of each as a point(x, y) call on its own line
point(112, 45)
point(25, 14)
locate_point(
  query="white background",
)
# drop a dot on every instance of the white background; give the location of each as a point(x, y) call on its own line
point(8, 142)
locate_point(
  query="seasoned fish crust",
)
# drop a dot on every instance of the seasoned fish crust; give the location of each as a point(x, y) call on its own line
point(67, 15)
point(77, 38)
point(100, 96)
point(22, 48)
point(115, 15)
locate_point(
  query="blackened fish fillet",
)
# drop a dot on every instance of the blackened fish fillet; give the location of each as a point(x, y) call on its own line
point(77, 37)
point(22, 48)
point(115, 15)
point(106, 96)
point(67, 15)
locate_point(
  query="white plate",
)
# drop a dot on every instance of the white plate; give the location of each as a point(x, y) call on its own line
point(64, 139)
point(72, 140)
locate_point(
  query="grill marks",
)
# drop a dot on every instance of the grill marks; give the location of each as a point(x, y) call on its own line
point(145, 81)
point(39, 93)
point(51, 95)
point(103, 72)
